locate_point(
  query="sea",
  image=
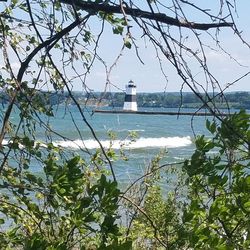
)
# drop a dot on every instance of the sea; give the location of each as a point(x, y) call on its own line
point(170, 136)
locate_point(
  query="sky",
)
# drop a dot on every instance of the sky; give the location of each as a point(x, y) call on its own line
point(148, 75)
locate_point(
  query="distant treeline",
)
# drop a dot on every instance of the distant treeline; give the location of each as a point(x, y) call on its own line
point(166, 100)
point(175, 99)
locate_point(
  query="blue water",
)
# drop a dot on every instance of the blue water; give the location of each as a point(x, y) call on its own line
point(173, 135)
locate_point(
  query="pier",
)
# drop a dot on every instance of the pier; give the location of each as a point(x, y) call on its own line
point(156, 113)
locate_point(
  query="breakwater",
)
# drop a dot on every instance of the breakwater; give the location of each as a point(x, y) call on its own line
point(157, 113)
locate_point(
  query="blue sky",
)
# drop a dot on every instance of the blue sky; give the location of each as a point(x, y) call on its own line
point(148, 76)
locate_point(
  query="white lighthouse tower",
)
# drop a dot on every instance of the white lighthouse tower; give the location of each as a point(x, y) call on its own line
point(130, 97)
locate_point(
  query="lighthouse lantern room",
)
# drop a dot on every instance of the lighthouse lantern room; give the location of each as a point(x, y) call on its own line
point(130, 97)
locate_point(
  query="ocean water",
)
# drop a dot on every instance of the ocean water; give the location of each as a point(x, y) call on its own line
point(172, 135)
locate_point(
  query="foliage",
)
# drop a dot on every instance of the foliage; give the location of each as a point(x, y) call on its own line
point(70, 206)
point(217, 211)
point(54, 199)
point(209, 208)
point(162, 226)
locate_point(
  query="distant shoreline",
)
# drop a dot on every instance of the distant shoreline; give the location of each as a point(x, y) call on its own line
point(232, 100)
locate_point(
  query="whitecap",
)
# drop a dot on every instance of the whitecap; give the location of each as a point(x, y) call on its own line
point(162, 142)
point(5, 142)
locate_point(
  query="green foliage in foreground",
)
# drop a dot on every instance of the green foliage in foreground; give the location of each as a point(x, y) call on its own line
point(74, 206)
point(218, 211)
point(67, 208)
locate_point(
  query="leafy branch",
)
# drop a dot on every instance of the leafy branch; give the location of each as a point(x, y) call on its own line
point(95, 7)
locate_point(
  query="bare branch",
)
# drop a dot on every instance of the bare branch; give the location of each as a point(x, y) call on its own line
point(93, 7)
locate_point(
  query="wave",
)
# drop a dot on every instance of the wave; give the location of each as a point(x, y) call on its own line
point(136, 130)
point(161, 142)
point(130, 130)
point(5, 142)
point(165, 142)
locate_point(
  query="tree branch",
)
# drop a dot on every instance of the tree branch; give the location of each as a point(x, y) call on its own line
point(134, 12)
point(44, 44)
point(24, 66)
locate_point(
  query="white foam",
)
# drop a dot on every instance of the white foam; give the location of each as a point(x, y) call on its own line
point(136, 130)
point(5, 142)
point(166, 142)
point(162, 142)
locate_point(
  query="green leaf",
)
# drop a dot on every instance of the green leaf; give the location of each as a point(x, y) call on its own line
point(32, 40)
point(118, 30)
point(247, 205)
point(14, 2)
point(211, 126)
point(127, 44)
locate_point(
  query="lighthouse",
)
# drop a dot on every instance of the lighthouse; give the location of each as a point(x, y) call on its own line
point(130, 97)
